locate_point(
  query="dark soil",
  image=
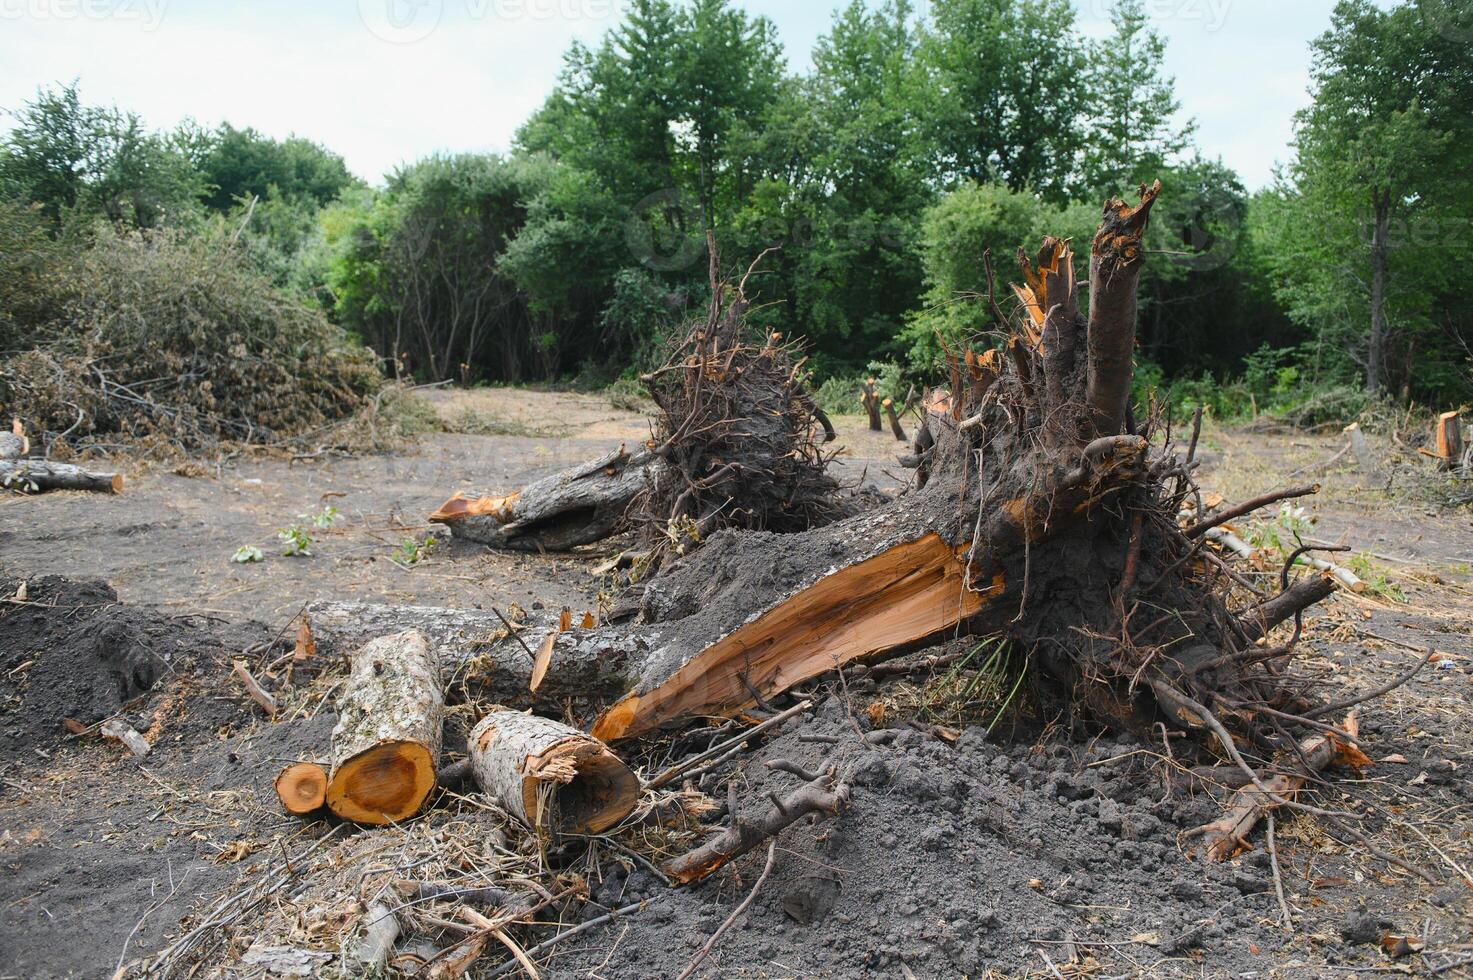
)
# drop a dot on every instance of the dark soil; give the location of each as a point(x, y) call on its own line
point(1025, 853)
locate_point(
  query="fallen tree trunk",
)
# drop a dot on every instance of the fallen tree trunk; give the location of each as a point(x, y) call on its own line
point(575, 507)
point(302, 788)
point(476, 648)
point(387, 740)
point(35, 475)
point(554, 778)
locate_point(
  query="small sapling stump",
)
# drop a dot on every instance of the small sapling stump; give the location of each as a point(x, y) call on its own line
point(552, 777)
point(387, 741)
point(302, 788)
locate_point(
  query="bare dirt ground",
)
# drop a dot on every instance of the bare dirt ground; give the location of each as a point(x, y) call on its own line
point(1035, 856)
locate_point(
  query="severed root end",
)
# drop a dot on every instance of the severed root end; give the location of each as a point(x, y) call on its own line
point(302, 788)
point(384, 784)
point(823, 795)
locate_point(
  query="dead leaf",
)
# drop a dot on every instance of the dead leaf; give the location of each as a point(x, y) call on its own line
point(238, 851)
point(1147, 938)
point(306, 643)
point(1396, 758)
point(565, 620)
point(74, 726)
point(1419, 780)
point(21, 592)
point(588, 621)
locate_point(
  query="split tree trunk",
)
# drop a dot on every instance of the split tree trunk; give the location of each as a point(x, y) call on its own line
point(37, 475)
point(895, 426)
point(387, 740)
point(552, 777)
point(578, 506)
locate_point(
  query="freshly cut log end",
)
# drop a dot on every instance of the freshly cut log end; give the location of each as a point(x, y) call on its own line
point(387, 740)
point(27, 475)
point(302, 788)
point(384, 784)
point(551, 776)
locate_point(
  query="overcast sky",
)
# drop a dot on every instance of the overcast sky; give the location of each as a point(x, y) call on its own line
point(387, 81)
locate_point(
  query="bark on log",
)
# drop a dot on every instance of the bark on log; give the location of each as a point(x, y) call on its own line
point(387, 740)
point(577, 506)
point(38, 475)
point(302, 788)
point(552, 777)
point(473, 647)
point(367, 948)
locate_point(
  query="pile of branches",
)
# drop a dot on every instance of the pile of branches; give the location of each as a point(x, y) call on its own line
point(171, 340)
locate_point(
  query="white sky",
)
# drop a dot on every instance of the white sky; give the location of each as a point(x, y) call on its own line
point(386, 81)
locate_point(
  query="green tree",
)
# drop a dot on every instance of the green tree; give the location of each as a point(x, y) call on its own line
point(70, 157)
point(1133, 131)
point(1006, 92)
point(242, 163)
point(1386, 146)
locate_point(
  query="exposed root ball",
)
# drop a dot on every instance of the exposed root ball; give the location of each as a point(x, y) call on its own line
point(740, 432)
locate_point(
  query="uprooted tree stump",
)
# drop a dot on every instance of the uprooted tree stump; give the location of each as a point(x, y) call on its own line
point(736, 443)
point(1045, 515)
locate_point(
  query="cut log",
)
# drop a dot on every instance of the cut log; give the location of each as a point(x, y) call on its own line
point(1449, 436)
point(302, 788)
point(36, 475)
point(552, 777)
point(871, 403)
point(473, 646)
point(387, 740)
point(578, 506)
point(895, 426)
